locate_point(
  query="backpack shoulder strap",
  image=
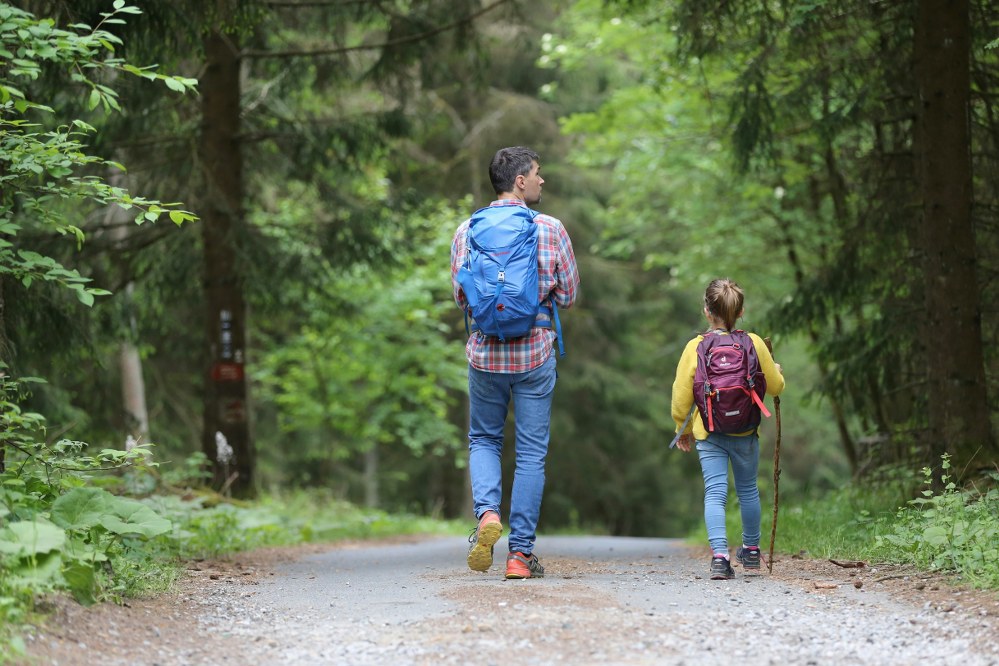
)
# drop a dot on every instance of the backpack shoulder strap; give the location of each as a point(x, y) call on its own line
point(751, 356)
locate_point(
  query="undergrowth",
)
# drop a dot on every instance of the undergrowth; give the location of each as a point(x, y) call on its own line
point(111, 524)
point(954, 530)
point(202, 525)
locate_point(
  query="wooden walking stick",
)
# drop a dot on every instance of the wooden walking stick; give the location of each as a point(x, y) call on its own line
point(773, 528)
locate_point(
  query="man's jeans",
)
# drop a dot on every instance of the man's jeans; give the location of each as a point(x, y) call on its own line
point(715, 453)
point(489, 398)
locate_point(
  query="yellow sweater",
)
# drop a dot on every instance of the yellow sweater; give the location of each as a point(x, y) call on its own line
point(683, 385)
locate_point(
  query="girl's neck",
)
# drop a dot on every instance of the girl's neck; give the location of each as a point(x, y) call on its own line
point(715, 325)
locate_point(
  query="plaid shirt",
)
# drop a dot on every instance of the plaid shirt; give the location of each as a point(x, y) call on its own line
point(557, 277)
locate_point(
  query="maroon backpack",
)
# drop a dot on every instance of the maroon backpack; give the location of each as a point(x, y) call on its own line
point(729, 385)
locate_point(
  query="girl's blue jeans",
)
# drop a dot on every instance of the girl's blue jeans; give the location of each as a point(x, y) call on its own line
point(489, 396)
point(716, 453)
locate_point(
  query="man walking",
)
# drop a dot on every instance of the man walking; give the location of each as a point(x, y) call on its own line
point(522, 369)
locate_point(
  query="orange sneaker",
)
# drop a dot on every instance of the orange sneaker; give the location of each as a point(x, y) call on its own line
point(482, 539)
point(519, 565)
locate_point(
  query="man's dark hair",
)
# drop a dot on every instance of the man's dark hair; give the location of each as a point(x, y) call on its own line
point(507, 164)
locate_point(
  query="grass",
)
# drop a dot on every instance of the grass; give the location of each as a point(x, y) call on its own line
point(206, 528)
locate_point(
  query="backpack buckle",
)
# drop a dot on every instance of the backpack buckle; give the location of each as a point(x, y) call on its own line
point(501, 276)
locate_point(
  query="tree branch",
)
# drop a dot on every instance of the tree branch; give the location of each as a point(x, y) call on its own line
point(295, 53)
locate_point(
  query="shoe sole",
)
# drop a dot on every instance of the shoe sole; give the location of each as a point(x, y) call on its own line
point(722, 577)
point(480, 557)
point(517, 576)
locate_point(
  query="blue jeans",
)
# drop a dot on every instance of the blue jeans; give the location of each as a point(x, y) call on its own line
point(716, 452)
point(489, 395)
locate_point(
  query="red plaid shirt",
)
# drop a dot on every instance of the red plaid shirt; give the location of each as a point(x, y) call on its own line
point(558, 277)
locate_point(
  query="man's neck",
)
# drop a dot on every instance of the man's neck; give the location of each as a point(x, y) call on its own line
point(509, 195)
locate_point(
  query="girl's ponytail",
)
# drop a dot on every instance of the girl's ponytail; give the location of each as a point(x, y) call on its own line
point(723, 300)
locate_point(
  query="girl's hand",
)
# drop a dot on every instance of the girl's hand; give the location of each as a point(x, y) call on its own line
point(777, 365)
point(685, 441)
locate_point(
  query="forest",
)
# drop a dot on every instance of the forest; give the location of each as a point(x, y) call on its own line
point(226, 225)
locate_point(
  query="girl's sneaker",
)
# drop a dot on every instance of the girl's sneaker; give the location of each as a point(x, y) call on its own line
point(749, 557)
point(721, 568)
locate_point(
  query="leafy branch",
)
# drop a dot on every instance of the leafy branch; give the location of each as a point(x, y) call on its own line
point(40, 168)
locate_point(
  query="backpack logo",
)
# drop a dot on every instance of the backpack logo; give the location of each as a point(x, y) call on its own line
point(729, 385)
point(500, 275)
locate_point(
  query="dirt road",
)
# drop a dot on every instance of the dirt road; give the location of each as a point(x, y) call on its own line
point(603, 601)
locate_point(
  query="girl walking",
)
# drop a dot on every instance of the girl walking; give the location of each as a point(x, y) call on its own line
point(723, 306)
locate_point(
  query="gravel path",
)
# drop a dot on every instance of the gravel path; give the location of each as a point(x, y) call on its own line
point(603, 601)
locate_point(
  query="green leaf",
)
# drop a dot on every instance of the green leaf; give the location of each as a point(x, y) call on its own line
point(27, 538)
point(936, 536)
point(95, 99)
point(132, 517)
point(40, 570)
point(179, 217)
point(174, 84)
point(82, 581)
point(82, 508)
point(84, 296)
point(11, 91)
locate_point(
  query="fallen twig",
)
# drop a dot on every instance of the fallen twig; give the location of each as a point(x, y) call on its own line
point(849, 565)
point(896, 576)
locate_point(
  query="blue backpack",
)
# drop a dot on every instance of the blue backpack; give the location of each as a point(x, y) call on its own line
point(500, 275)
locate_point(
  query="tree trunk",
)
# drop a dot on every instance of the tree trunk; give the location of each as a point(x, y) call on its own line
point(133, 391)
point(958, 413)
point(371, 498)
point(226, 409)
point(133, 386)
